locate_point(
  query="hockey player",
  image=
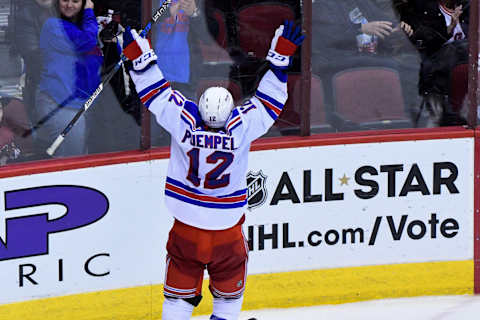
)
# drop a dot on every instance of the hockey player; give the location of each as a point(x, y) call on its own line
point(205, 187)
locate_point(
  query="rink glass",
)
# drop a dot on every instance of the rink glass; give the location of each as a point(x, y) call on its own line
point(338, 82)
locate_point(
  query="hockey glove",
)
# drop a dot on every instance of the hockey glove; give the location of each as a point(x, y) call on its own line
point(138, 50)
point(284, 44)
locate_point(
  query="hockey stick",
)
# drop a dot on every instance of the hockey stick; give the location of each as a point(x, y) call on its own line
point(54, 146)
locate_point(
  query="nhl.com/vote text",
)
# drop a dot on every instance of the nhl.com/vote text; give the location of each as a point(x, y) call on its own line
point(278, 235)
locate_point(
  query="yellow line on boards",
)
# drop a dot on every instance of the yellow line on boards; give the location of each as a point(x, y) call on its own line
point(279, 290)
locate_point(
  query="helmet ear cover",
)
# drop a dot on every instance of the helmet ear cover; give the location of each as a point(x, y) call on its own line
point(215, 106)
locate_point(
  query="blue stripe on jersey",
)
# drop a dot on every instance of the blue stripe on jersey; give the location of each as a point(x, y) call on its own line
point(153, 91)
point(271, 113)
point(185, 119)
point(234, 114)
point(234, 121)
point(249, 108)
point(151, 87)
point(236, 193)
point(149, 101)
point(205, 204)
point(184, 186)
point(269, 99)
point(192, 109)
point(272, 106)
point(234, 126)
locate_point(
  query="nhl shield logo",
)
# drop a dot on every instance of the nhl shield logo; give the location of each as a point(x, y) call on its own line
point(256, 189)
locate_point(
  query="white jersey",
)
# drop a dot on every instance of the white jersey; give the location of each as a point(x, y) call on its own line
point(457, 33)
point(206, 184)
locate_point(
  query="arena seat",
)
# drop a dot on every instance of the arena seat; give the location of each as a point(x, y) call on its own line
point(257, 24)
point(289, 121)
point(368, 98)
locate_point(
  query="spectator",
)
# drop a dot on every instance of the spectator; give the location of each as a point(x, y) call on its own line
point(71, 73)
point(440, 34)
point(358, 33)
point(171, 44)
point(114, 124)
point(14, 123)
point(204, 31)
point(29, 20)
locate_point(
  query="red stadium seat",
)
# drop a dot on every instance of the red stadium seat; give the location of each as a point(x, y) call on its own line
point(369, 98)
point(222, 28)
point(289, 120)
point(257, 24)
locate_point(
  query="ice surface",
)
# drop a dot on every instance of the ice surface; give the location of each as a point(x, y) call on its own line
point(419, 308)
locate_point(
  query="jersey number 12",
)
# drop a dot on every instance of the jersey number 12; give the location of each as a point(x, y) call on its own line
point(214, 178)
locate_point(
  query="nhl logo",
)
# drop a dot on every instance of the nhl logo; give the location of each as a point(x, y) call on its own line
point(256, 189)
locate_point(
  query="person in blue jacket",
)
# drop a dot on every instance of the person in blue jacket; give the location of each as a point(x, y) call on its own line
point(171, 43)
point(71, 68)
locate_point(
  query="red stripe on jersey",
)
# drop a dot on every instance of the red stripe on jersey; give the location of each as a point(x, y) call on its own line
point(192, 195)
point(189, 117)
point(233, 121)
point(276, 110)
point(154, 92)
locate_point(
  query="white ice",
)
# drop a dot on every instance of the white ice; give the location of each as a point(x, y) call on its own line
point(420, 308)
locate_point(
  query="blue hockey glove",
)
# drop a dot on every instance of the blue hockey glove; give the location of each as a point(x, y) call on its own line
point(138, 50)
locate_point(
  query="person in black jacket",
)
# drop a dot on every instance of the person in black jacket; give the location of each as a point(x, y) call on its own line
point(440, 35)
point(29, 18)
point(428, 21)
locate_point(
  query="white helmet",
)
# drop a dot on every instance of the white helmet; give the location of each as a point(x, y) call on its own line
point(215, 106)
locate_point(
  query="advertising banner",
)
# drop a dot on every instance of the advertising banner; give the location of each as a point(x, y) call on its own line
point(360, 204)
point(106, 227)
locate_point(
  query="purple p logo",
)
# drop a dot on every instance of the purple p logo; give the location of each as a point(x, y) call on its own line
point(27, 235)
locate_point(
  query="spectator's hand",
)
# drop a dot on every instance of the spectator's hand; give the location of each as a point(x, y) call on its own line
point(455, 18)
point(89, 4)
point(284, 44)
point(174, 7)
point(405, 27)
point(189, 6)
point(138, 50)
point(381, 29)
point(109, 32)
point(103, 21)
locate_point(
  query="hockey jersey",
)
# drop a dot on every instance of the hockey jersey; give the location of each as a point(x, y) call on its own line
point(206, 178)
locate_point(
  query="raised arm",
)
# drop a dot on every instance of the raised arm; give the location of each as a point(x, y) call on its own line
point(260, 112)
point(154, 90)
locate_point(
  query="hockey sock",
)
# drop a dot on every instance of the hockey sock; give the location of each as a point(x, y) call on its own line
point(176, 309)
point(227, 309)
